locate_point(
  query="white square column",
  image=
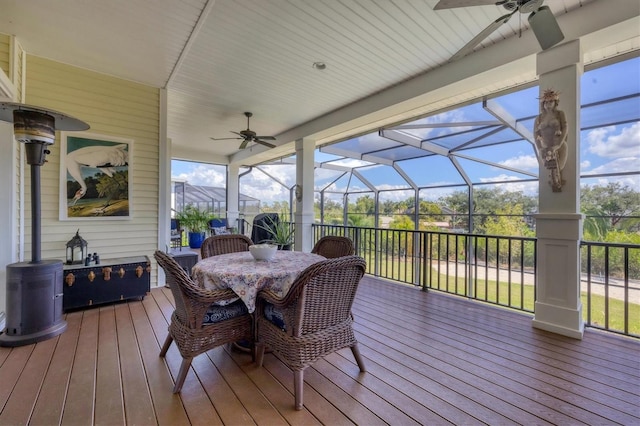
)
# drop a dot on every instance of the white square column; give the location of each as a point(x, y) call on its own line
point(304, 216)
point(559, 224)
point(233, 195)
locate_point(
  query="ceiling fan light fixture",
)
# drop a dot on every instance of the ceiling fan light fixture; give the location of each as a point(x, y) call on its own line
point(529, 6)
point(319, 65)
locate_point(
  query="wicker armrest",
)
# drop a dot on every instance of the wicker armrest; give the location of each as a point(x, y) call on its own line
point(208, 297)
point(286, 306)
point(201, 299)
point(271, 297)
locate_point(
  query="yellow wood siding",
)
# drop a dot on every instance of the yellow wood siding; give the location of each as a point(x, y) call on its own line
point(4, 54)
point(112, 107)
point(19, 57)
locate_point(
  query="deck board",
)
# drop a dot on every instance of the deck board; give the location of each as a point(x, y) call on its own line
point(138, 405)
point(197, 405)
point(48, 407)
point(109, 392)
point(24, 395)
point(79, 404)
point(431, 359)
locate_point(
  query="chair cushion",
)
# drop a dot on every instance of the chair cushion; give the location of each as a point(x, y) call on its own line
point(217, 313)
point(274, 315)
point(220, 230)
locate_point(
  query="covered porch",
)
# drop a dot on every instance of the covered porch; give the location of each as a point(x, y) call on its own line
point(431, 359)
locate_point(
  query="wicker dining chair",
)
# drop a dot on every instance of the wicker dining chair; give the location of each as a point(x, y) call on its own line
point(198, 323)
point(313, 319)
point(223, 244)
point(332, 246)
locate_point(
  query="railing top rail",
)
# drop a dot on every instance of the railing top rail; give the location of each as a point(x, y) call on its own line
point(461, 234)
point(606, 244)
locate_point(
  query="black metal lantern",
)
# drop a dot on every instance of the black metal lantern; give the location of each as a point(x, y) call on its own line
point(76, 249)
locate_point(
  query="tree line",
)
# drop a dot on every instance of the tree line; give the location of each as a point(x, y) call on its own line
point(612, 213)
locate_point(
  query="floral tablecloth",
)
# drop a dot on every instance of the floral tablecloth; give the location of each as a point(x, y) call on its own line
point(246, 276)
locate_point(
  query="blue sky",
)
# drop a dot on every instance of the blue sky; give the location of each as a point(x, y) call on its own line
point(609, 149)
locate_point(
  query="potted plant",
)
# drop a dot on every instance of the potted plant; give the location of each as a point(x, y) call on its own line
point(197, 222)
point(281, 233)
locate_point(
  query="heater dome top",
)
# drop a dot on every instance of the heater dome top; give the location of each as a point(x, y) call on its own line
point(62, 120)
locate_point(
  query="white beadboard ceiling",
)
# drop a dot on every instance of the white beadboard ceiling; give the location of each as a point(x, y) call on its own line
point(387, 60)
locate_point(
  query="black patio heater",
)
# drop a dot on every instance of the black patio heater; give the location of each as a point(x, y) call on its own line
point(34, 289)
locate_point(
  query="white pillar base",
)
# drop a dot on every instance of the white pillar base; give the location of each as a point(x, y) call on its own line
point(558, 307)
point(559, 320)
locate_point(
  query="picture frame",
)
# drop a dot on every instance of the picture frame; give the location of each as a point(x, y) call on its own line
point(95, 177)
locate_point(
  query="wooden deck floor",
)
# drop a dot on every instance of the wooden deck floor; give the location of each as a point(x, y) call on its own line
point(431, 359)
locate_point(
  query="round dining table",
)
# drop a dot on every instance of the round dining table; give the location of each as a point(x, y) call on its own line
point(247, 276)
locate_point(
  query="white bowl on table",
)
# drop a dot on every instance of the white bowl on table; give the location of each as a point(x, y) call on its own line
point(263, 251)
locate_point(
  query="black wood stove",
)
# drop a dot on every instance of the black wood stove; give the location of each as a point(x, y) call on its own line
point(34, 289)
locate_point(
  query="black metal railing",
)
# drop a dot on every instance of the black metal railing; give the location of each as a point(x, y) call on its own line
point(610, 285)
point(494, 269)
point(500, 270)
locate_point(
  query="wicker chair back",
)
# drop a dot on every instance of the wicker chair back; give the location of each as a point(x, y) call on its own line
point(223, 244)
point(332, 246)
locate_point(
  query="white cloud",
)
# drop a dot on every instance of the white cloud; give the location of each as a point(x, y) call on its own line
point(204, 175)
point(260, 186)
point(604, 143)
point(387, 187)
point(528, 188)
point(396, 194)
point(454, 116)
point(434, 194)
point(286, 173)
point(584, 165)
point(618, 165)
point(324, 176)
point(632, 182)
point(523, 162)
point(351, 162)
point(500, 178)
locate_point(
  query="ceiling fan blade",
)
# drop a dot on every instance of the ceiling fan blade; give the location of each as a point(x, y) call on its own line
point(261, 142)
point(267, 138)
point(244, 144)
point(468, 48)
point(451, 4)
point(239, 134)
point(224, 139)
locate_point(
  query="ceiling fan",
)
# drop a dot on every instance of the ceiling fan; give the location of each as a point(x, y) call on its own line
point(542, 22)
point(249, 135)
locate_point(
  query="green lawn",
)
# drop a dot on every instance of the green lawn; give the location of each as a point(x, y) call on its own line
point(517, 297)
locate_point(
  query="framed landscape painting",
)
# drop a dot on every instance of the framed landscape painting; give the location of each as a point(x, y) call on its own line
point(95, 176)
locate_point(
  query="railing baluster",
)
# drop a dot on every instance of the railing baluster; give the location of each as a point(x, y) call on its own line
point(606, 287)
point(415, 256)
point(626, 290)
